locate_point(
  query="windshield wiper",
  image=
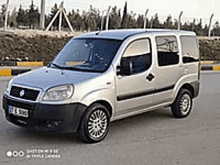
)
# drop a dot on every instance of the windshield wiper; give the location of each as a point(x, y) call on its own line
point(68, 68)
point(60, 67)
point(73, 68)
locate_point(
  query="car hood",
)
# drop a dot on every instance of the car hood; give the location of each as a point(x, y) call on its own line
point(48, 77)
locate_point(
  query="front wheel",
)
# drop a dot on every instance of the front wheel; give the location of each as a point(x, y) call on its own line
point(182, 106)
point(95, 124)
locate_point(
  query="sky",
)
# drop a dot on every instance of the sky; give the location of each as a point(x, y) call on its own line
point(191, 8)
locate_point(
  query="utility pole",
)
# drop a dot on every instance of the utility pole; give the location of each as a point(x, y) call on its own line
point(179, 22)
point(102, 19)
point(145, 18)
point(6, 15)
point(60, 20)
point(42, 15)
point(60, 11)
point(151, 22)
point(210, 23)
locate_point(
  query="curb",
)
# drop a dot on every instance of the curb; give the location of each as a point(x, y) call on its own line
point(26, 63)
point(12, 68)
point(210, 67)
point(14, 71)
point(30, 63)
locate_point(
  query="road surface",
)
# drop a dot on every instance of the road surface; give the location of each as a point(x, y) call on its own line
point(153, 138)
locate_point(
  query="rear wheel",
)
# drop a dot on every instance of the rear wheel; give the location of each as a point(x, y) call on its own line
point(182, 106)
point(95, 124)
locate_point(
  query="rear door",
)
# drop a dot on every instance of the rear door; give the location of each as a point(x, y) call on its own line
point(168, 69)
point(190, 54)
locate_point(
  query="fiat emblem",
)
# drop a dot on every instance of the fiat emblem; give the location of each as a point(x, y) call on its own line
point(22, 93)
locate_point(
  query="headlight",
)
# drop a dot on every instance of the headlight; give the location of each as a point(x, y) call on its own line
point(59, 93)
point(8, 86)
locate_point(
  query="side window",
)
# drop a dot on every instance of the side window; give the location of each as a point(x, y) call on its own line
point(137, 56)
point(167, 50)
point(190, 50)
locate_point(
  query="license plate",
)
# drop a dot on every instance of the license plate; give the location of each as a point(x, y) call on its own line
point(17, 111)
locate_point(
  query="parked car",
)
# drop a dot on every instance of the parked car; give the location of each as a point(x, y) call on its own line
point(103, 76)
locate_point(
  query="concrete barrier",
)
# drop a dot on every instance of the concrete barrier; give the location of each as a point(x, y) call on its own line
point(15, 63)
point(207, 62)
point(30, 63)
point(5, 72)
point(13, 71)
point(8, 63)
point(206, 67)
point(216, 68)
point(211, 67)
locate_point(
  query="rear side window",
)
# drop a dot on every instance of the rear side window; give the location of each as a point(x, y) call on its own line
point(190, 51)
point(138, 54)
point(167, 50)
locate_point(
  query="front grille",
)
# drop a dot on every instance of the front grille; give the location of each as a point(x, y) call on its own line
point(19, 104)
point(29, 94)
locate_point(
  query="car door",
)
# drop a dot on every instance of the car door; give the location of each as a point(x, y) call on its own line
point(168, 68)
point(135, 87)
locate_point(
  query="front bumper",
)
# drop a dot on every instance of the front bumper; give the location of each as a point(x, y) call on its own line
point(46, 117)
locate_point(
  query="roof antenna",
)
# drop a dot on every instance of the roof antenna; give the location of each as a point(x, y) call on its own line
point(97, 33)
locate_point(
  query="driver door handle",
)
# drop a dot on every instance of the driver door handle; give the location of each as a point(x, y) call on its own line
point(150, 77)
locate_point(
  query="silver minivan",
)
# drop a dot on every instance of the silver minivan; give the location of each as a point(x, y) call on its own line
point(104, 76)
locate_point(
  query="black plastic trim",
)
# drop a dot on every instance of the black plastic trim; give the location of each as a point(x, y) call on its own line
point(164, 89)
point(196, 87)
point(145, 93)
point(187, 60)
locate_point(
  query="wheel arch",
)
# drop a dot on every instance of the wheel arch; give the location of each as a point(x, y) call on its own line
point(188, 87)
point(102, 102)
point(106, 104)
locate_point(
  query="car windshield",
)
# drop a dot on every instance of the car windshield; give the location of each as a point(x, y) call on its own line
point(85, 54)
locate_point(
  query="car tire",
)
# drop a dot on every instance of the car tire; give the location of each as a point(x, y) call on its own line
point(95, 124)
point(182, 106)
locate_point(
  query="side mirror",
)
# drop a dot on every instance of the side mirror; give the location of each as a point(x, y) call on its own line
point(126, 68)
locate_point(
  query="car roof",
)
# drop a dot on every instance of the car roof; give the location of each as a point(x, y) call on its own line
point(125, 33)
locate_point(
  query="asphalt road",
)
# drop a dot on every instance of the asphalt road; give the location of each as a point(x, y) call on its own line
point(153, 138)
